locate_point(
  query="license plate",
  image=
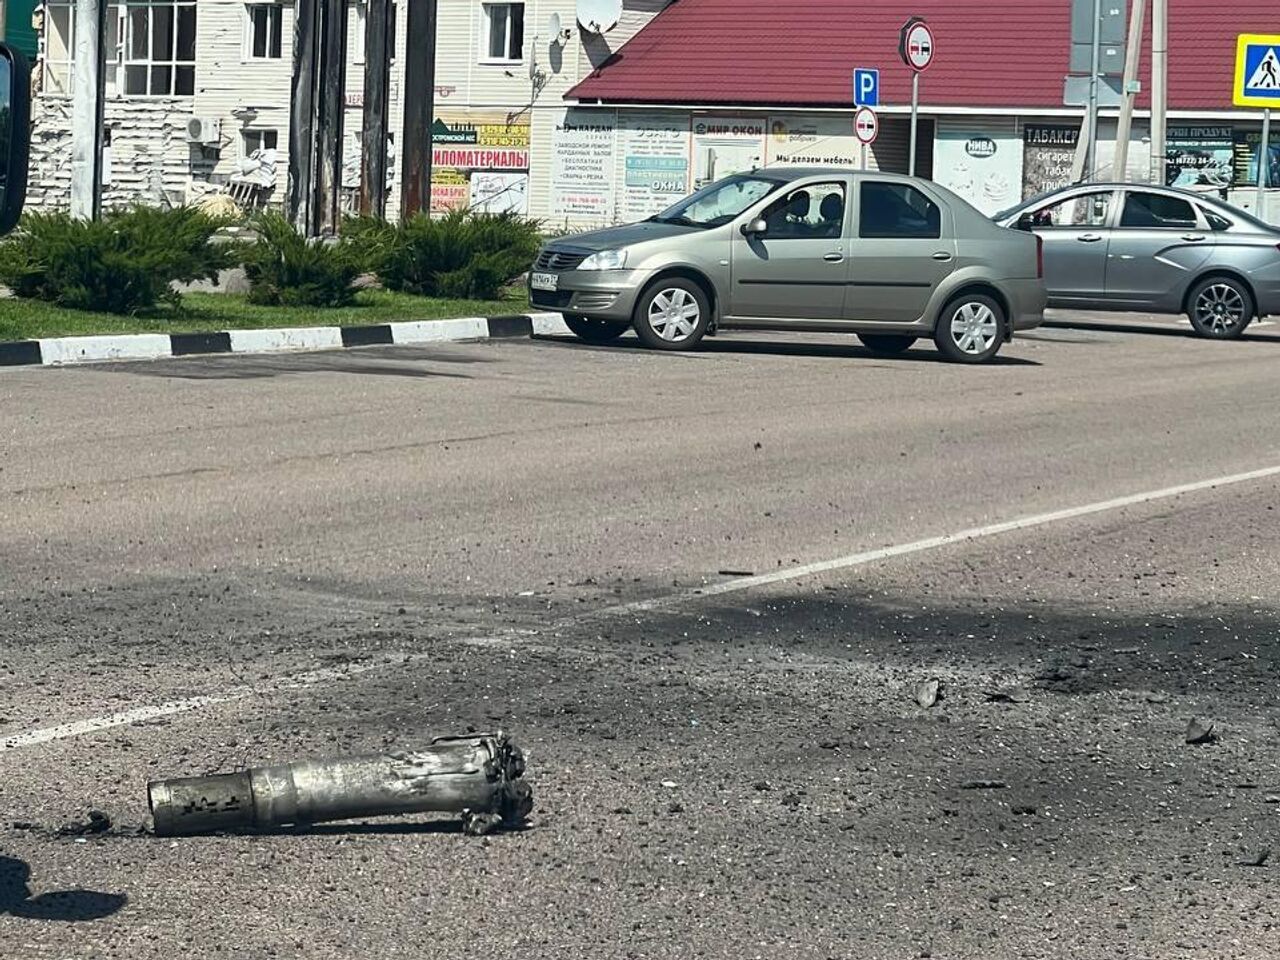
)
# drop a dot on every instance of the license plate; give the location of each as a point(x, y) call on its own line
point(544, 281)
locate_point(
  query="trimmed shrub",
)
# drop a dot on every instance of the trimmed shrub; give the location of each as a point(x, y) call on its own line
point(123, 263)
point(461, 254)
point(286, 269)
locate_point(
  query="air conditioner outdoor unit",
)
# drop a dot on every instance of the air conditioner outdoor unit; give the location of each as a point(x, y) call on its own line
point(204, 130)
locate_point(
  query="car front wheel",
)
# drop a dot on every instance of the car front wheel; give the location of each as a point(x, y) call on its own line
point(672, 315)
point(1220, 308)
point(595, 330)
point(970, 329)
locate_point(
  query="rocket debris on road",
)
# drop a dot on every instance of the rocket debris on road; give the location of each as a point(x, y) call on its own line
point(477, 776)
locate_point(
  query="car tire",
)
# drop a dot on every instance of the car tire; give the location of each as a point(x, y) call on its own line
point(594, 329)
point(672, 314)
point(890, 344)
point(970, 329)
point(1220, 308)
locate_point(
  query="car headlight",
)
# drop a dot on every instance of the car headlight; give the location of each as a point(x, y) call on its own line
point(605, 260)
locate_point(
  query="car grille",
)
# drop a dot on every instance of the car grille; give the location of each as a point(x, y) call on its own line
point(554, 299)
point(558, 260)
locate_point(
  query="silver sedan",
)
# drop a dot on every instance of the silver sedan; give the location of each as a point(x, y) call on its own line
point(889, 258)
point(1137, 247)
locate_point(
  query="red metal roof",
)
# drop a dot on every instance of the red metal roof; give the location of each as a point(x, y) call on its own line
point(990, 53)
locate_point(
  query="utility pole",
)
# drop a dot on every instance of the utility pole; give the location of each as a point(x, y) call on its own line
point(378, 40)
point(419, 107)
point(1095, 65)
point(315, 118)
point(1159, 88)
point(86, 109)
point(1133, 52)
point(1264, 165)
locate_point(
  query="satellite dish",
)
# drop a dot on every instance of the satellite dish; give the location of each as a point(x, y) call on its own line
point(557, 30)
point(599, 16)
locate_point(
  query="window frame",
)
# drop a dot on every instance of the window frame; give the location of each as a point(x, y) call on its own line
point(261, 134)
point(1107, 221)
point(862, 220)
point(275, 11)
point(149, 62)
point(810, 188)
point(1198, 222)
point(486, 32)
point(66, 66)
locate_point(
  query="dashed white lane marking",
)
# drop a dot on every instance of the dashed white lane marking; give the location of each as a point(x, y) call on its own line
point(331, 674)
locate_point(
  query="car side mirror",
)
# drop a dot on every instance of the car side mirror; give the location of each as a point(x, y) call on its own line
point(15, 134)
point(755, 228)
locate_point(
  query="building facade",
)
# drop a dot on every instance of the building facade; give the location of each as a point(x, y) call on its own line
point(602, 123)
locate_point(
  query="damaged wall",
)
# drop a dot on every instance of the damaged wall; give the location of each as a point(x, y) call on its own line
point(150, 160)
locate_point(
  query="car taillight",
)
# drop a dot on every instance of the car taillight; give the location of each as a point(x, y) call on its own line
point(1039, 257)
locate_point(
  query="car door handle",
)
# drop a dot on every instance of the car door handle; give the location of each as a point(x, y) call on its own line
point(833, 257)
point(1192, 237)
point(942, 256)
point(1089, 237)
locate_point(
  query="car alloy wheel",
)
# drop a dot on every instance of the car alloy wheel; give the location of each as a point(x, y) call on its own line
point(1220, 309)
point(674, 314)
point(974, 327)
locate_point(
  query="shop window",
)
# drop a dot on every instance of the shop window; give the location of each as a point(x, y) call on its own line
point(263, 31)
point(897, 211)
point(503, 33)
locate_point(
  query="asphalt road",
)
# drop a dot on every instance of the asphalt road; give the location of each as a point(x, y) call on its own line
point(560, 541)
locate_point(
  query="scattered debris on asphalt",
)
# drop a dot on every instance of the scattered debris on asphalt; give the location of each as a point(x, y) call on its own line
point(928, 693)
point(98, 822)
point(1258, 858)
point(1024, 810)
point(476, 776)
point(737, 573)
point(1198, 732)
point(1006, 696)
point(983, 785)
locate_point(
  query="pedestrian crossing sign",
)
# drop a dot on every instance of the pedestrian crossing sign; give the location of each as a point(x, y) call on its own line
point(1257, 71)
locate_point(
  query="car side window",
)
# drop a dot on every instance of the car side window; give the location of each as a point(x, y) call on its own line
point(1155, 210)
point(897, 211)
point(1216, 223)
point(1086, 210)
point(812, 212)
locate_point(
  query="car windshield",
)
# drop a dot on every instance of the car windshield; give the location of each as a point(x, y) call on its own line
point(719, 203)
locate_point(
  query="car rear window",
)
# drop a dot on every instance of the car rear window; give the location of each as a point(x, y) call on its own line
point(897, 210)
point(1157, 210)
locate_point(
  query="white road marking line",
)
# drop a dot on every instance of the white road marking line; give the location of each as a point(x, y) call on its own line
point(185, 705)
point(932, 543)
point(328, 674)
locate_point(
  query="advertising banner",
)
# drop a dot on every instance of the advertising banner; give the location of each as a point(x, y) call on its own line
point(724, 146)
point(466, 146)
point(806, 141)
point(1201, 157)
point(983, 166)
point(1048, 153)
point(655, 152)
point(582, 165)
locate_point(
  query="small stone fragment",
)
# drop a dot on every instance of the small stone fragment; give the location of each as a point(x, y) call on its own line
point(928, 693)
point(1257, 859)
point(1201, 732)
point(983, 785)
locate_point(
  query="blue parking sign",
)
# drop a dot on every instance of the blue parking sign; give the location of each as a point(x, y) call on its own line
point(866, 88)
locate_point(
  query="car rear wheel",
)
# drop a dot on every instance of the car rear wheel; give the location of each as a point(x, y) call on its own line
point(595, 330)
point(672, 315)
point(1220, 308)
point(970, 329)
point(887, 343)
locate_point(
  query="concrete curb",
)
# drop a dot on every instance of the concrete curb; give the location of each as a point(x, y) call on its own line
point(59, 351)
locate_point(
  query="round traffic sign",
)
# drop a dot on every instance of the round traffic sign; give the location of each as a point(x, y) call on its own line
point(866, 124)
point(917, 46)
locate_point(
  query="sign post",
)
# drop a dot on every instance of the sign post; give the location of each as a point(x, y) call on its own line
point(915, 46)
point(866, 94)
point(1257, 84)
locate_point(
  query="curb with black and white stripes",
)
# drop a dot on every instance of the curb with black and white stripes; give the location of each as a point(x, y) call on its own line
point(57, 351)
